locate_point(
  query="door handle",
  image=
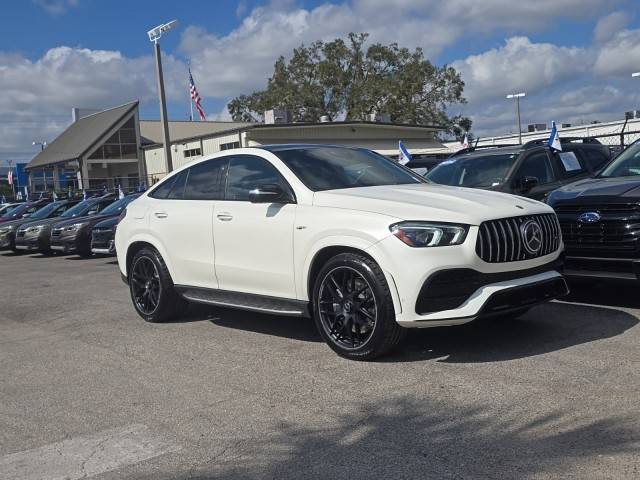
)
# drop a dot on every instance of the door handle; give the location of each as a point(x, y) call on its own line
point(161, 214)
point(224, 217)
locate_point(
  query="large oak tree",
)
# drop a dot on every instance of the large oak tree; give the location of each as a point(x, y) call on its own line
point(347, 79)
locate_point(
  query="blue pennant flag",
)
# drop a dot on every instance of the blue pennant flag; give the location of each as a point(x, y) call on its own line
point(404, 156)
point(554, 138)
point(4, 200)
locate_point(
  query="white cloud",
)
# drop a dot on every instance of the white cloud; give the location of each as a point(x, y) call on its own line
point(519, 65)
point(37, 96)
point(56, 7)
point(620, 55)
point(610, 25)
point(242, 60)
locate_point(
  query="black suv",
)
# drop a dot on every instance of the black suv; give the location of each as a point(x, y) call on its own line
point(104, 226)
point(531, 170)
point(600, 220)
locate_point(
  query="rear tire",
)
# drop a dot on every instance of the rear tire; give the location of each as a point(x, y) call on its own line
point(151, 287)
point(353, 308)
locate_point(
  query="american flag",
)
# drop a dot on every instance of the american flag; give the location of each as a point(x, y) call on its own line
point(195, 97)
point(10, 177)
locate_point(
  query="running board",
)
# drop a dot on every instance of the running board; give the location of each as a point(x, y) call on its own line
point(245, 301)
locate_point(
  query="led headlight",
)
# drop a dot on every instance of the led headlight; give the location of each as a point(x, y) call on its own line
point(75, 227)
point(34, 229)
point(427, 234)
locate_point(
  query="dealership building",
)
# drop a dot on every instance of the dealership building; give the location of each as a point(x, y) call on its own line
point(104, 149)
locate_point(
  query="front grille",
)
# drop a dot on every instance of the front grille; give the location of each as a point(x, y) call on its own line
point(56, 232)
point(615, 234)
point(20, 233)
point(101, 236)
point(502, 240)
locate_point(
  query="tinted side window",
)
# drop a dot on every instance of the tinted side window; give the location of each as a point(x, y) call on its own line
point(594, 159)
point(569, 163)
point(162, 190)
point(177, 191)
point(246, 173)
point(536, 165)
point(206, 180)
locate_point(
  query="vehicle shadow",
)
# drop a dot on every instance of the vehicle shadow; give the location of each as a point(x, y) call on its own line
point(543, 329)
point(602, 292)
point(403, 437)
point(296, 328)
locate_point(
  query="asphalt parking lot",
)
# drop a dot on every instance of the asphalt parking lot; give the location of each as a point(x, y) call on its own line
point(87, 389)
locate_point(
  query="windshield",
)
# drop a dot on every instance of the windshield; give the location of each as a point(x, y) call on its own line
point(6, 209)
point(626, 165)
point(479, 171)
point(44, 212)
point(116, 207)
point(78, 210)
point(16, 211)
point(329, 168)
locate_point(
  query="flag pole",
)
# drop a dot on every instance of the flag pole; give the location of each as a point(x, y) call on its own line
point(189, 90)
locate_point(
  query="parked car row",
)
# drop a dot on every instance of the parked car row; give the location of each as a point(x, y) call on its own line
point(65, 226)
point(596, 197)
point(363, 245)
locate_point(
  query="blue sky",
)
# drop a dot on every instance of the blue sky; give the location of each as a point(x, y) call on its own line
point(573, 57)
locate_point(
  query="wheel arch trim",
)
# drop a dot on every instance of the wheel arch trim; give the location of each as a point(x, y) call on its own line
point(347, 244)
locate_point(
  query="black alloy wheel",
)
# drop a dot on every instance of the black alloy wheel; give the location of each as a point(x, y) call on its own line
point(152, 291)
point(353, 308)
point(347, 307)
point(145, 286)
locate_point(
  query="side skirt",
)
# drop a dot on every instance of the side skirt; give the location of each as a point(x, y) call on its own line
point(245, 301)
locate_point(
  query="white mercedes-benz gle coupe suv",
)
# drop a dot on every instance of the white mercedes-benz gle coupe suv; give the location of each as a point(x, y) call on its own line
point(347, 236)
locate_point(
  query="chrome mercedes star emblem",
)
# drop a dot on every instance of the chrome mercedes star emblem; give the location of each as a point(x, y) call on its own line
point(589, 217)
point(531, 236)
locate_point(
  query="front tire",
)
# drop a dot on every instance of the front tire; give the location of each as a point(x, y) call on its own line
point(151, 287)
point(353, 309)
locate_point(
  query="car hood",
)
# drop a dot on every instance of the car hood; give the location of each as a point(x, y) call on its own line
point(615, 187)
point(90, 219)
point(42, 221)
point(13, 223)
point(431, 202)
point(108, 223)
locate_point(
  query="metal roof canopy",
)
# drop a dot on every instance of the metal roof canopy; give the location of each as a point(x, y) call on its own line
point(81, 136)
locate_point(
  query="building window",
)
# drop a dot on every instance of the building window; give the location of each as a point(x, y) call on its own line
point(121, 145)
point(192, 152)
point(229, 146)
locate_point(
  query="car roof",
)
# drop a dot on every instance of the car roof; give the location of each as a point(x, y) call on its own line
point(489, 152)
point(299, 146)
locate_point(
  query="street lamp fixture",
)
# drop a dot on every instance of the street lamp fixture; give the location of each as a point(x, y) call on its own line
point(517, 96)
point(154, 36)
point(636, 74)
point(42, 144)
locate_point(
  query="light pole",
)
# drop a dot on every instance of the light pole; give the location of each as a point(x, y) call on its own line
point(517, 96)
point(154, 37)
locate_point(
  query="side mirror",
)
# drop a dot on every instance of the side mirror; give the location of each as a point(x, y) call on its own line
point(268, 193)
point(527, 183)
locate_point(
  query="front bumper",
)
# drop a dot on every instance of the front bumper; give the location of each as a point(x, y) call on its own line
point(64, 244)
point(103, 243)
point(32, 242)
point(494, 287)
point(584, 267)
point(6, 240)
